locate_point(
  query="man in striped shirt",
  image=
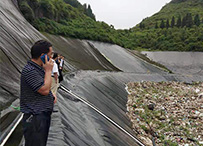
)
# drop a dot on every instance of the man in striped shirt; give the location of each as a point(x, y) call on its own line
point(36, 98)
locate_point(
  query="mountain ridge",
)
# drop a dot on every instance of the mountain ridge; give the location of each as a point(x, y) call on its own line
point(176, 8)
point(176, 27)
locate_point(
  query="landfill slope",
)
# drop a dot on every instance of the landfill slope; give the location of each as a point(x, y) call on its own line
point(84, 126)
point(17, 37)
point(187, 63)
point(124, 60)
point(106, 91)
point(80, 54)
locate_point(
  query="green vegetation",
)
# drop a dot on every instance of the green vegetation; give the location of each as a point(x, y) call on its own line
point(82, 8)
point(170, 143)
point(58, 17)
point(176, 9)
point(177, 27)
point(171, 39)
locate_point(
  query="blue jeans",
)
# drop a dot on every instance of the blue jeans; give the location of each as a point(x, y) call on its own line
point(36, 128)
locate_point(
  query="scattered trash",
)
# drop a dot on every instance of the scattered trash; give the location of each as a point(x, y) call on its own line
point(197, 90)
point(151, 106)
point(171, 112)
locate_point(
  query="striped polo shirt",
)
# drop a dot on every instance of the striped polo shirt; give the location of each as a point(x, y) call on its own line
point(32, 79)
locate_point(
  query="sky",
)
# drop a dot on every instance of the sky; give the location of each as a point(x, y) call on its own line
point(124, 14)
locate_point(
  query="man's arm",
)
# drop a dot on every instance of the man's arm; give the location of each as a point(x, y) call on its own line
point(44, 90)
point(55, 98)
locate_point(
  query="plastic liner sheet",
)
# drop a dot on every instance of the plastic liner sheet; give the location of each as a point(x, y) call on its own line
point(81, 54)
point(17, 37)
point(75, 123)
point(124, 60)
point(187, 63)
point(106, 91)
point(83, 126)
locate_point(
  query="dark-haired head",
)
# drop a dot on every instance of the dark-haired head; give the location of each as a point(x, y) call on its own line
point(55, 55)
point(39, 48)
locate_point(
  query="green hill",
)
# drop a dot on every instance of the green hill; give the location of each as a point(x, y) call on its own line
point(176, 8)
point(177, 27)
point(67, 18)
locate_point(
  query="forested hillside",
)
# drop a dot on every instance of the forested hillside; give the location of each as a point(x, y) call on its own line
point(177, 27)
point(176, 12)
point(66, 17)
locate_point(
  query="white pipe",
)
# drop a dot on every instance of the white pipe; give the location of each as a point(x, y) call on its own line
point(13, 128)
point(84, 101)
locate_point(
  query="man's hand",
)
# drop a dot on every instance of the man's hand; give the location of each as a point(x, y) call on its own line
point(55, 98)
point(48, 66)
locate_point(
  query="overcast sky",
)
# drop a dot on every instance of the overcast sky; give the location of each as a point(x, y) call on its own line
point(124, 14)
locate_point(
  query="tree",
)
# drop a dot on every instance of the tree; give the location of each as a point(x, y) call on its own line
point(167, 24)
point(188, 20)
point(179, 23)
point(88, 11)
point(58, 9)
point(35, 7)
point(183, 22)
point(156, 25)
point(142, 25)
point(73, 3)
point(27, 11)
point(162, 25)
point(197, 20)
point(47, 9)
point(173, 22)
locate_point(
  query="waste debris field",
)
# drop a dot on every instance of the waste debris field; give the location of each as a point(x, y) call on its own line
point(170, 113)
